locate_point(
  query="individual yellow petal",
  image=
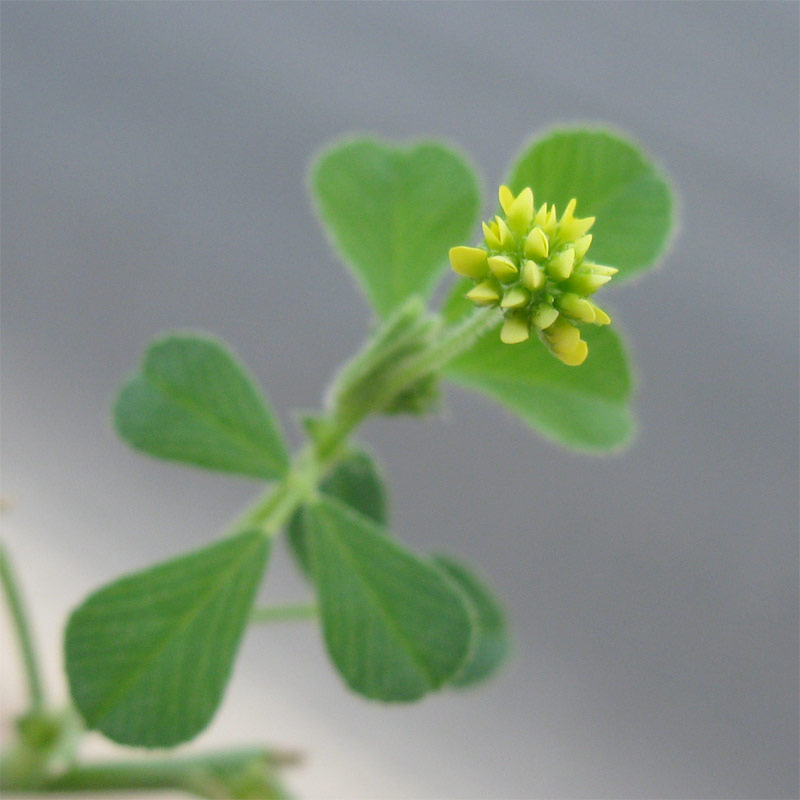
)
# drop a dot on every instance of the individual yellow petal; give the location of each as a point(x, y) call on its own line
point(582, 245)
point(560, 265)
point(536, 245)
point(520, 213)
point(506, 198)
point(587, 283)
point(507, 241)
point(515, 329)
point(532, 276)
point(601, 269)
point(541, 215)
point(515, 297)
point(469, 262)
point(544, 316)
point(503, 268)
point(486, 293)
point(575, 228)
point(562, 336)
point(491, 235)
point(569, 210)
point(576, 307)
point(600, 316)
point(576, 356)
point(551, 223)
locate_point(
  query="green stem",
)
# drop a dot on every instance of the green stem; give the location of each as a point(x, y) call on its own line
point(188, 772)
point(273, 509)
point(290, 612)
point(23, 631)
point(454, 342)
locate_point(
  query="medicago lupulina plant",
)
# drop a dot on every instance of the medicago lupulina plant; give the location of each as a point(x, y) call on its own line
point(148, 656)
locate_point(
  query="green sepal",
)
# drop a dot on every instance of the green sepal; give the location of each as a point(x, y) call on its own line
point(421, 398)
point(359, 388)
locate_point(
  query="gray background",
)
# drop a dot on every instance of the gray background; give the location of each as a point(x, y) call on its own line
point(153, 177)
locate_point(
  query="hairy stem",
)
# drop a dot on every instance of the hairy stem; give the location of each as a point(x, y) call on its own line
point(190, 773)
point(23, 632)
point(453, 342)
point(271, 511)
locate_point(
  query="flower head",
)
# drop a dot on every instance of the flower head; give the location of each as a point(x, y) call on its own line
point(532, 265)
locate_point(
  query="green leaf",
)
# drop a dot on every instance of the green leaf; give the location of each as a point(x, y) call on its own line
point(394, 212)
point(394, 626)
point(194, 402)
point(585, 407)
point(611, 180)
point(148, 656)
point(356, 481)
point(492, 641)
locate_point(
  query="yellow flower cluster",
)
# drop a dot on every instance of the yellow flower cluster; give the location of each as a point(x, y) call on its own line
point(533, 267)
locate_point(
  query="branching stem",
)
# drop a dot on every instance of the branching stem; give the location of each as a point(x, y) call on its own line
point(392, 363)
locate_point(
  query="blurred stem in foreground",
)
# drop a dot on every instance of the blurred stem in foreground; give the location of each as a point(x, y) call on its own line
point(22, 629)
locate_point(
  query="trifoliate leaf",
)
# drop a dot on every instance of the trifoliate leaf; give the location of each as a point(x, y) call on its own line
point(148, 656)
point(393, 213)
point(612, 180)
point(394, 626)
point(192, 401)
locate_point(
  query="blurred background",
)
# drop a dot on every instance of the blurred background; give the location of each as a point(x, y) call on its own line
point(154, 161)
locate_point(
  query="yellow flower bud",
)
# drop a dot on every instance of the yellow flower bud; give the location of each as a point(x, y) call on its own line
point(575, 228)
point(469, 262)
point(515, 297)
point(515, 329)
point(600, 316)
point(600, 269)
point(535, 272)
point(581, 246)
point(536, 245)
point(506, 197)
point(586, 283)
point(576, 356)
point(503, 268)
point(507, 241)
point(565, 343)
point(560, 266)
point(520, 212)
point(486, 293)
point(576, 307)
point(550, 224)
point(544, 315)
point(562, 336)
point(491, 235)
point(568, 211)
point(532, 276)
